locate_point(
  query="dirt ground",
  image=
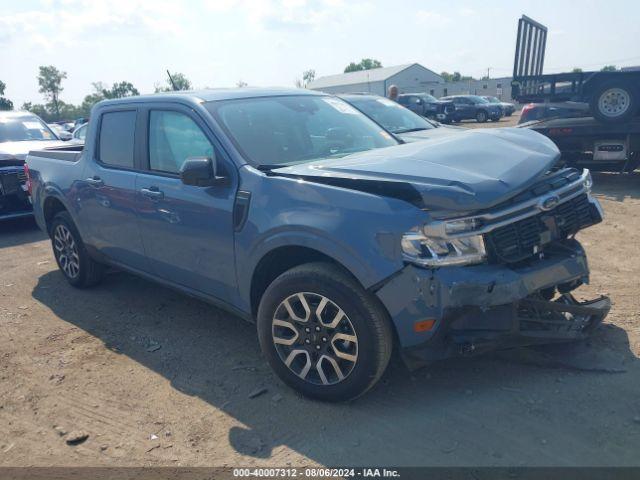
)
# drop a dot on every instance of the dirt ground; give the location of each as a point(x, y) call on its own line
point(156, 378)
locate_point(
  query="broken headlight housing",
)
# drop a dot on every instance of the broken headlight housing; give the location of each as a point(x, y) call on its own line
point(430, 251)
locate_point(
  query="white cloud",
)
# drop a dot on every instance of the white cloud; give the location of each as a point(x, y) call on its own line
point(61, 23)
point(288, 15)
point(432, 18)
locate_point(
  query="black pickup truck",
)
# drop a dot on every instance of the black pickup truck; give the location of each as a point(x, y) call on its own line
point(20, 132)
point(428, 106)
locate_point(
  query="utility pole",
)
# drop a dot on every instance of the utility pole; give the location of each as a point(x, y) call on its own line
point(488, 73)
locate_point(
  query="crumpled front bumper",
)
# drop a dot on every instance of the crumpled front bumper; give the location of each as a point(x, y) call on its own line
point(485, 307)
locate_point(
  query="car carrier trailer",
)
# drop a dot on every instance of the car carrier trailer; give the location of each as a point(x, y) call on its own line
point(609, 139)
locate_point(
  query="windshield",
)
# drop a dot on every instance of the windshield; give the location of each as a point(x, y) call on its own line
point(273, 131)
point(478, 99)
point(390, 115)
point(428, 98)
point(492, 99)
point(23, 129)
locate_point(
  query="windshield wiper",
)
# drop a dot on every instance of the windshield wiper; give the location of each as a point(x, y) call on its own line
point(268, 167)
point(408, 130)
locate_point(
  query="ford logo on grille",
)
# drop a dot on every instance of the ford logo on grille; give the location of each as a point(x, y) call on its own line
point(548, 203)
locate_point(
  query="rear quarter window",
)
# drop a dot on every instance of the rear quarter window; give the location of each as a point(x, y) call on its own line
point(117, 138)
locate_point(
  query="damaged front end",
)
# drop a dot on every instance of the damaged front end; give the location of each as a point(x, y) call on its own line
point(509, 287)
point(530, 321)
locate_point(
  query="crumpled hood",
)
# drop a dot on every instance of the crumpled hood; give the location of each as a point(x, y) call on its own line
point(19, 150)
point(432, 133)
point(472, 170)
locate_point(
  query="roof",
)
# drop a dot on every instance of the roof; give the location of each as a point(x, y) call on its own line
point(213, 94)
point(15, 114)
point(362, 76)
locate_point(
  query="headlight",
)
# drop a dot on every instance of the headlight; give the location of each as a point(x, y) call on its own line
point(588, 182)
point(433, 251)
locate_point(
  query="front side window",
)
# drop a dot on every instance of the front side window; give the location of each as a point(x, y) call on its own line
point(393, 117)
point(174, 137)
point(117, 138)
point(272, 131)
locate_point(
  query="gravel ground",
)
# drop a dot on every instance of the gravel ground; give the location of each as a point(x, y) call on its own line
point(141, 375)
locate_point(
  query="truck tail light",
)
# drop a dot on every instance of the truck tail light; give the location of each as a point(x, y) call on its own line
point(526, 108)
point(28, 178)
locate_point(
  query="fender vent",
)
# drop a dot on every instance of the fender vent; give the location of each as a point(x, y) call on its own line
point(241, 209)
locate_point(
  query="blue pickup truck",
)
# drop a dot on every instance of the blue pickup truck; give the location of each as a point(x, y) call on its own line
point(292, 209)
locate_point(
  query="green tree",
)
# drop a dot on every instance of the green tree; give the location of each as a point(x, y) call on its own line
point(120, 90)
point(576, 70)
point(5, 103)
point(446, 76)
point(308, 76)
point(38, 109)
point(180, 81)
point(50, 82)
point(455, 77)
point(241, 84)
point(608, 68)
point(364, 64)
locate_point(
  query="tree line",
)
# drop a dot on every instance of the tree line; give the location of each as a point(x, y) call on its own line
point(50, 81)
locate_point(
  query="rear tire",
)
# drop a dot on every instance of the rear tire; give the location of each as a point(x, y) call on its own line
point(71, 255)
point(321, 361)
point(481, 116)
point(614, 102)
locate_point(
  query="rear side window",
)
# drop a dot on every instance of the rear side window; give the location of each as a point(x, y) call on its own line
point(117, 133)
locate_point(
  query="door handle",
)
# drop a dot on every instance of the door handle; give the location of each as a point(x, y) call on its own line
point(94, 181)
point(152, 193)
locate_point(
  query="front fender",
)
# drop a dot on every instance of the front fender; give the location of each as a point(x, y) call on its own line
point(358, 230)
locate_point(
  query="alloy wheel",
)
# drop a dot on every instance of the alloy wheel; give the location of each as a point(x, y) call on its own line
point(66, 251)
point(314, 338)
point(614, 102)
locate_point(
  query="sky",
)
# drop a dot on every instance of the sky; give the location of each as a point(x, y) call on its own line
point(217, 43)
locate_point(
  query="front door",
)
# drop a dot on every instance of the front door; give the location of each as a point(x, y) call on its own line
point(187, 231)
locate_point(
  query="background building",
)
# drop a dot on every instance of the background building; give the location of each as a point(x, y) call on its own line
point(493, 87)
point(411, 77)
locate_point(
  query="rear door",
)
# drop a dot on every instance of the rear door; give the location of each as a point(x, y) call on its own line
point(464, 107)
point(187, 230)
point(108, 197)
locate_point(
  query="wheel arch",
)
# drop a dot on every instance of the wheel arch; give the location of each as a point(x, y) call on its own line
point(51, 206)
point(280, 259)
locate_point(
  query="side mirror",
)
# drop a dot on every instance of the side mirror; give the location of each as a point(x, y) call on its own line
point(200, 172)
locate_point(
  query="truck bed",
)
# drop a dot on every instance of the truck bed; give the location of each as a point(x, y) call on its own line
point(69, 153)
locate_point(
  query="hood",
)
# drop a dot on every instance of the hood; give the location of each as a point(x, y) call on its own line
point(19, 150)
point(432, 133)
point(465, 172)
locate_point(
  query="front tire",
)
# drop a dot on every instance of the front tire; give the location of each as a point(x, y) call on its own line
point(71, 255)
point(481, 116)
point(323, 334)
